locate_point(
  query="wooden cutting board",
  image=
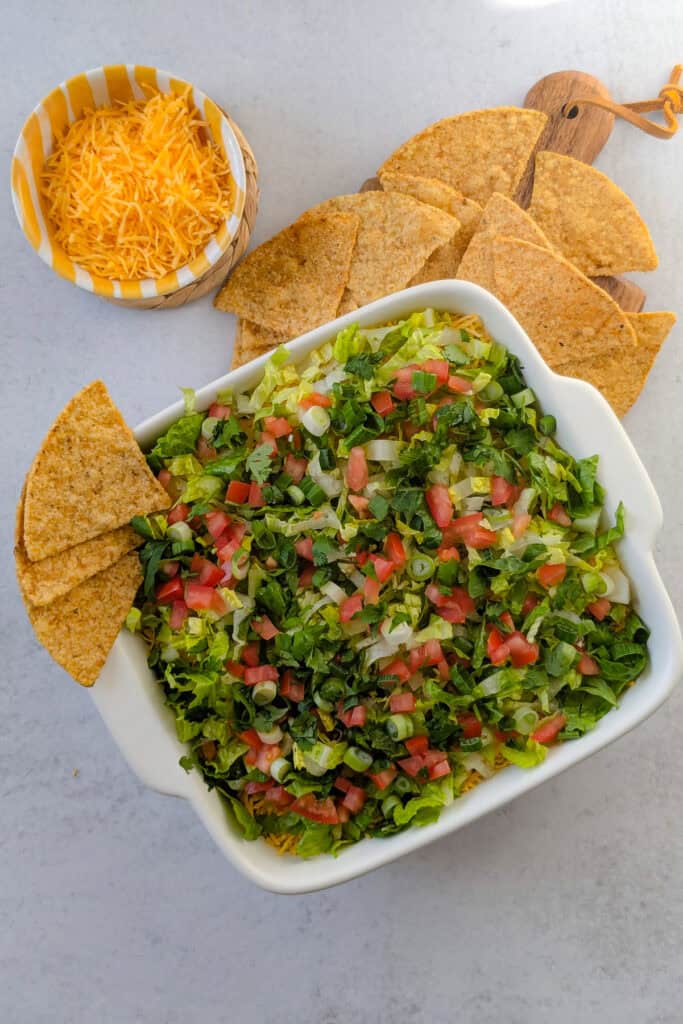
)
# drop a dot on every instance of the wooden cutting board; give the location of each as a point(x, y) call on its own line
point(575, 131)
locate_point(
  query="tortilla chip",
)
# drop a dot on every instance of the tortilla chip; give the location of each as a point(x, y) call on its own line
point(590, 220)
point(294, 282)
point(89, 477)
point(477, 153)
point(396, 235)
point(501, 216)
point(45, 581)
point(578, 329)
point(651, 333)
point(252, 341)
point(444, 261)
point(79, 629)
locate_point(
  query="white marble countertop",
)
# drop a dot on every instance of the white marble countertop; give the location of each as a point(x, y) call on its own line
point(115, 906)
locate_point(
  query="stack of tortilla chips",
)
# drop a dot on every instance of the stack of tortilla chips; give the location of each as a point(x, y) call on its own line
point(446, 209)
point(74, 552)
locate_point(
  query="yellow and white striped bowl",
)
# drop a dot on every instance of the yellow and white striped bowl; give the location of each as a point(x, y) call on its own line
point(101, 87)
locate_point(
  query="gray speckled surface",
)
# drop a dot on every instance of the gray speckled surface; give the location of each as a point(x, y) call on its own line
point(114, 905)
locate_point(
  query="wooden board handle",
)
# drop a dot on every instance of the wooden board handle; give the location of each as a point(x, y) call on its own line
point(580, 132)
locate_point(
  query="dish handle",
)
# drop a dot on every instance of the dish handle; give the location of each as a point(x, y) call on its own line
point(130, 701)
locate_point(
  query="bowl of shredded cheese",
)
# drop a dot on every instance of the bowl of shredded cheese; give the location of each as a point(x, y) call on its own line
point(134, 185)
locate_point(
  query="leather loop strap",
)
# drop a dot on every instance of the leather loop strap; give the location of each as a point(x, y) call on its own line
point(669, 101)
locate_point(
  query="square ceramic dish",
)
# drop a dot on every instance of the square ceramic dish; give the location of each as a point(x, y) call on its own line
point(131, 702)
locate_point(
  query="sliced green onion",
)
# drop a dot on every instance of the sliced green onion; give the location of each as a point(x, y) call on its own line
point(492, 392)
point(296, 494)
point(389, 804)
point(180, 532)
point(264, 692)
point(324, 705)
point(273, 735)
point(326, 458)
point(208, 427)
point(522, 398)
point(525, 719)
point(421, 567)
point(547, 425)
point(403, 785)
point(280, 769)
point(358, 760)
point(423, 383)
point(400, 727)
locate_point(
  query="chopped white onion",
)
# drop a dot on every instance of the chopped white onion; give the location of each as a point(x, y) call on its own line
point(383, 450)
point(618, 587)
point(334, 592)
point(330, 485)
point(316, 420)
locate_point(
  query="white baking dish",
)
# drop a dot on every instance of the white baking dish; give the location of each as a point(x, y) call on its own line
point(131, 702)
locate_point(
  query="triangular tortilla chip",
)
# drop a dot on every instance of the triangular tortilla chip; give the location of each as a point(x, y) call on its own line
point(477, 153)
point(252, 340)
point(501, 217)
point(651, 332)
point(294, 282)
point(578, 329)
point(444, 261)
point(45, 581)
point(590, 220)
point(395, 237)
point(88, 477)
point(79, 629)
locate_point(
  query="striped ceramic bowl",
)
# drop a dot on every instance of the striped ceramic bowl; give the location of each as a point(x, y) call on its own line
point(100, 87)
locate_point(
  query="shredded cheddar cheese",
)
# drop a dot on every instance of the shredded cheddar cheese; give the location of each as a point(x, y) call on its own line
point(136, 190)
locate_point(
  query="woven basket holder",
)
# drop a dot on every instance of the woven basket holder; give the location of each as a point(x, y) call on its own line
point(216, 274)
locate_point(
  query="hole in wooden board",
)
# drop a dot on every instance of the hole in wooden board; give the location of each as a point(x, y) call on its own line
point(570, 112)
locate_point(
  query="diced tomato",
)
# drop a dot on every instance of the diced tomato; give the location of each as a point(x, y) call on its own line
point(354, 799)
point(551, 575)
point(470, 724)
point(403, 385)
point(304, 548)
point(279, 797)
point(444, 670)
point(164, 478)
point(343, 814)
point(399, 669)
point(432, 652)
point(558, 515)
point(384, 778)
point(440, 505)
point(506, 619)
point(362, 557)
point(266, 438)
point(205, 452)
point(226, 548)
point(277, 426)
point(417, 745)
point(382, 403)
point(417, 659)
point(256, 499)
point(521, 651)
point(360, 503)
point(459, 384)
point(257, 787)
point(409, 429)
point(250, 654)
point(167, 593)
point(395, 551)
point(342, 783)
point(458, 604)
point(179, 613)
point(315, 398)
point(290, 689)
point(200, 597)
point(357, 469)
point(306, 576)
point(264, 627)
point(600, 609)
point(209, 574)
point(178, 513)
point(169, 569)
point(354, 717)
point(520, 524)
point(217, 523)
point(530, 602)
point(322, 811)
point(494, 643)
point(237, 491)
point(501, 490)
point(448, 554)
point(547, 732)
point(469, 530)
point(260, 674)
point(439, 367)
point(295, 467)
point(439, 769)
point(402, 703)
point(235, 669)
point(350, 607)
point(251, 737)
point(371, 590)
point(587, 666)
point(219, 412)
point(411, 765)
point(266, 754)
point(383, 567)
